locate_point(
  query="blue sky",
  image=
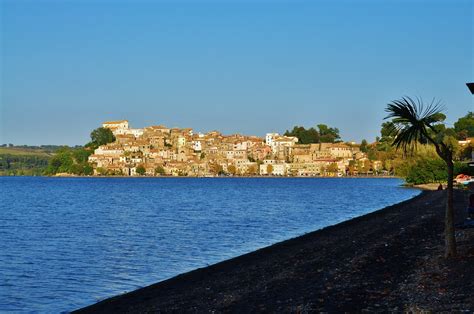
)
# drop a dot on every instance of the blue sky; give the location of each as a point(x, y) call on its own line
point(246, 67)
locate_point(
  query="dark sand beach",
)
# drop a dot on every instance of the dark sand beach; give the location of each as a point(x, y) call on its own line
point(389, 260)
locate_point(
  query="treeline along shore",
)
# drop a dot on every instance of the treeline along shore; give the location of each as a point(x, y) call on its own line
point(388, 260)
point(116, 149)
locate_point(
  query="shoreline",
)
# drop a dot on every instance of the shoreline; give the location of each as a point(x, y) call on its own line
point(380, 254)
point(217, 177)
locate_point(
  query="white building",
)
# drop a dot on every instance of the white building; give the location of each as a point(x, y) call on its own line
point(307, 169)
point(244, 166)
point(122, 127)
point(181, 141)
point(341, 151)
point(108, 150)
point(270, 137)
point(197, 146)
point(282, 142)
point(242, 145)
point(134, 132)
point(277, 169)
point(117, 127)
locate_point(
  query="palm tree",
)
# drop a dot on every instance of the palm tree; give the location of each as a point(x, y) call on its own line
point(413, 123)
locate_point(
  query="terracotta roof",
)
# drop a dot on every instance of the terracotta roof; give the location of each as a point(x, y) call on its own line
point(115, 122)
point(325, 159)
point(284, 139)
point(157, 127)
point(340, 146)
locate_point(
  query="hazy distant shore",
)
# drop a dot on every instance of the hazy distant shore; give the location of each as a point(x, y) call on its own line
point(388, 260)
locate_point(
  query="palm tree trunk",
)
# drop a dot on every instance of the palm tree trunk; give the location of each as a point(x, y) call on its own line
point(449, 218)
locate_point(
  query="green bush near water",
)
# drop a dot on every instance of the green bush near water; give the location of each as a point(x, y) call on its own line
point(427, 171)
point(73, 161)
point(433, 170)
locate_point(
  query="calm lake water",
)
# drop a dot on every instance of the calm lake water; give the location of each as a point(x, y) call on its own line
point(69, 242)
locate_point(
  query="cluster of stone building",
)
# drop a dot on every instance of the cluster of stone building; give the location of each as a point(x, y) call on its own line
point(158, 150)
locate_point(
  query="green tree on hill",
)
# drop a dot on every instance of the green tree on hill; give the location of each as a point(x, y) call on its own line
point(141, 170)
point(81, 155)
point(464, 127)
point(384, 143)
point(332, 168)
point(327, 134)
point(416, 123)
point(387, 131)
point(61, 162)
point(100, 136)
point(75, 160)
point(67, 160)
point(323, 134)
point(304, 136)
point(160, 170)
point(364, 146)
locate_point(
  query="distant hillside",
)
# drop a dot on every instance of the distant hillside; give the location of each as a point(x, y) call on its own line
point(19, 151)
point(25, 160)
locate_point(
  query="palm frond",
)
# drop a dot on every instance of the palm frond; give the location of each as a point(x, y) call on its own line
point(412, 119)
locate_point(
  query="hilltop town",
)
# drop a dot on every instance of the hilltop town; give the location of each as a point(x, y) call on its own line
point(159, 150)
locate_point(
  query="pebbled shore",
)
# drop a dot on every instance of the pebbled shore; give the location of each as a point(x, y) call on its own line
point(389, 260)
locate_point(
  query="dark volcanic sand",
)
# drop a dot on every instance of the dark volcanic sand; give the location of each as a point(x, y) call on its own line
point(390, 260)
